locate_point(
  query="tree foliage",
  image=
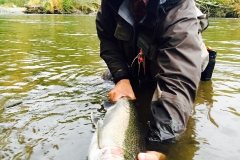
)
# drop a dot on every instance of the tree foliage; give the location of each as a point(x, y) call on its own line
point(220, 8)
point(231, 8)
point(19, 3)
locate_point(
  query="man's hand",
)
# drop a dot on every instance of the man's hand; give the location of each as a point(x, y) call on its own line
point(151, 155)
point(122, 89)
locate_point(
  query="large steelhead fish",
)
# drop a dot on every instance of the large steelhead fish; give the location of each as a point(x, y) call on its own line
point(118, 136)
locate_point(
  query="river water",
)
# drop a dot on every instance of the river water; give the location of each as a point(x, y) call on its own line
point(51, 64)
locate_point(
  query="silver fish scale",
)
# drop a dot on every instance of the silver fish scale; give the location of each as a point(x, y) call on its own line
point(121, 129)
point(133, 133)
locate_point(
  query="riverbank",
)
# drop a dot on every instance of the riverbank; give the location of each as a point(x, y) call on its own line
point(40, 10)
point(220, 10)
point(211, 9)
point(11, 10)
point(23, 10)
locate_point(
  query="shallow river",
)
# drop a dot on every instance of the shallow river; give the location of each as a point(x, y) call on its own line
point(51, 64)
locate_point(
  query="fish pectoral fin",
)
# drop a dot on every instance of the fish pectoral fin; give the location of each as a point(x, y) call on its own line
point(94, 119)
point(99, 134)
point(108, 104)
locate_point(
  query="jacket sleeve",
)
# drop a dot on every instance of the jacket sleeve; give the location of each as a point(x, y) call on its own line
point(178, 74)
point(110, 50)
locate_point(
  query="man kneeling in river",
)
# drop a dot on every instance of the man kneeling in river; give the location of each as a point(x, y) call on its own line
point(153, 51)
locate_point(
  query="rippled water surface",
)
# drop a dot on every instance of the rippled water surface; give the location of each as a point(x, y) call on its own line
point(51, 65)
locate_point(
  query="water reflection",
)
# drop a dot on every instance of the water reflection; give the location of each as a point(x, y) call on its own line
point(205, 93)
point(48, 63)
point(205, 97)
point(51, 64)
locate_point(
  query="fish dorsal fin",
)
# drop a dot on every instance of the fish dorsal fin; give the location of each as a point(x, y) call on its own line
point(94, 119)
point(99, 134)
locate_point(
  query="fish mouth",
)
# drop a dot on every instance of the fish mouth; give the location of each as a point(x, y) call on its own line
point(114, 153)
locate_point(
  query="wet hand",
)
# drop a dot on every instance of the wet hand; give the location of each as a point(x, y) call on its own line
point(122, 89)
point(151, 155)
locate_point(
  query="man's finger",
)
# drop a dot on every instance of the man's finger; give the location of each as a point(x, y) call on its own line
point(151, 155)
point(147, 156)
point(132, 97)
